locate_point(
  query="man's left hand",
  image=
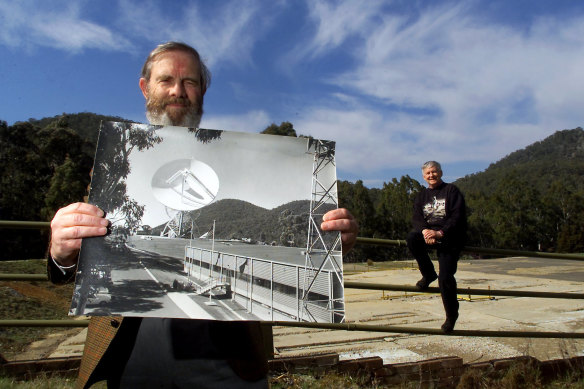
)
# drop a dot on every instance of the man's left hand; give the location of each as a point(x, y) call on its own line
point(431, 236)
point(343, 221)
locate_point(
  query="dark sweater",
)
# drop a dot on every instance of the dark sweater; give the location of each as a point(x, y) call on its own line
point(442, 208)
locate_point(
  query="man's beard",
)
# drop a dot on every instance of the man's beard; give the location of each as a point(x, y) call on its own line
point(188, 116)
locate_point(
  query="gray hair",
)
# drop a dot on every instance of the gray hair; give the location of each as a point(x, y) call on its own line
point(177, 46)
point(430, 164)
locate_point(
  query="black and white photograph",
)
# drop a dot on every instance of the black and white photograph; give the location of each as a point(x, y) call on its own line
point(211, 224)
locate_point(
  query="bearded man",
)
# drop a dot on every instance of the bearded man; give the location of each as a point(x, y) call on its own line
point(166, 353)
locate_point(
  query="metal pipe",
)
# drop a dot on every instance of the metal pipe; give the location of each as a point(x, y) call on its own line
point(360, 240)
point(479, 250)
point(430, 331)
point(479, 292)
point(44, 323)
point(375, 286)
point(23, 277)
point(24, 225)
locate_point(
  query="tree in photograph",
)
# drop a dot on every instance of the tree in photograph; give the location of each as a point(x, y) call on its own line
point(108, 185)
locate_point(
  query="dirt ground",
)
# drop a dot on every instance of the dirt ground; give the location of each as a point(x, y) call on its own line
point(476, 313)
point(408, 309)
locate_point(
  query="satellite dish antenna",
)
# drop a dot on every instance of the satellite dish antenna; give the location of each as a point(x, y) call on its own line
point(183, 185)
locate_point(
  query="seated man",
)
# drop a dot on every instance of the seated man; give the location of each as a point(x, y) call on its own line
point(439, 221)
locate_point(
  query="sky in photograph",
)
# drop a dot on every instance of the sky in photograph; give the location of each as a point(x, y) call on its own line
point(265, 170)
point(394, 83)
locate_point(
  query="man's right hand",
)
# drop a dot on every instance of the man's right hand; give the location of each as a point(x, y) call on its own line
point(70, 225)
point(430, 236)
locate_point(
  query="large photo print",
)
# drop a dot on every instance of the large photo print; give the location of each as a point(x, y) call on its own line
point(211, 224)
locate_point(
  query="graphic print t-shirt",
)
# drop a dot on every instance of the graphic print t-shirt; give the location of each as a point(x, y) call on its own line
point(435, 210)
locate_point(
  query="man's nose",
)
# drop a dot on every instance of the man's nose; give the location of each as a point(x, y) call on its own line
point(178, 90)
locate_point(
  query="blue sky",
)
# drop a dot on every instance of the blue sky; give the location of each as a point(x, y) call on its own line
point(394, 83)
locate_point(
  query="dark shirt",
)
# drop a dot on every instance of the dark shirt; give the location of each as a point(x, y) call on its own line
point(442, 208)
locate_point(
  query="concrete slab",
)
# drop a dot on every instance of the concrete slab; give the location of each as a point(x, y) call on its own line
point(476, 313)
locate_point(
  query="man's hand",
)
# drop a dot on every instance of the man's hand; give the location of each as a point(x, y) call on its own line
point(342, 220)
point(432, 237)
point(70, 225)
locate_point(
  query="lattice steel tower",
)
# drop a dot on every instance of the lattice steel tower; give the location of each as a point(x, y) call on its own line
point(323, 249)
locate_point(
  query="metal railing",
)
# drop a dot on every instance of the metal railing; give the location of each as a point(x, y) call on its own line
point(271, 289)
point(480, 250)
point(355, 285)
point(27, 225)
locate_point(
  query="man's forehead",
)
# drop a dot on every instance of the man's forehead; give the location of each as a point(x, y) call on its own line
point(176, 58)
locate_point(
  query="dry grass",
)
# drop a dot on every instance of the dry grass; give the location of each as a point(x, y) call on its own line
point(38, 383)
point(29, 300)
point(322, 380)
point(517, 376)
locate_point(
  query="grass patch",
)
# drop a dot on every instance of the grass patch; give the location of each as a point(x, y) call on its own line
point(324, 380)
point(519, 376)
point(38, 383)
point(29, 300)
point(29, 266)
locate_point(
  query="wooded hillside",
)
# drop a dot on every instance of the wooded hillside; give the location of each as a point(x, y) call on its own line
point(533, 199)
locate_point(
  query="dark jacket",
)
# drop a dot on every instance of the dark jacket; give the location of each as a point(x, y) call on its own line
point(442, 208)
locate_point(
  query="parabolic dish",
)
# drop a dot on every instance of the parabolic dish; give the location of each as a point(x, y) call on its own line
point(185, 184)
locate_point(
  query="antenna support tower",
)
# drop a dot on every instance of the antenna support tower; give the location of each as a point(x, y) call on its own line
point(323, 250)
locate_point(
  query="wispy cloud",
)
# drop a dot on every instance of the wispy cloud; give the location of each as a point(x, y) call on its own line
point(248, 122)
point(329, 25)
point(337, 21)
point(53, 24)
point(224, 34)
point(454, 86)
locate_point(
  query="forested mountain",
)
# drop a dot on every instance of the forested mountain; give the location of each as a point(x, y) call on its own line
point(85, 124)
point(236, 219)
point(533, 199)
point(559, 157)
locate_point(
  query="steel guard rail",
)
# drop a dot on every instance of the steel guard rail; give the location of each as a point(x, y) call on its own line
point(374, 286)
point(479, 250)
point(29, 225)
point(360, 240)
point(339, 326)
point(354, 285)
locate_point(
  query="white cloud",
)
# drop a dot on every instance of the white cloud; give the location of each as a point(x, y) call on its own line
point(455, 87)
point(338, 21)
point(227, 35)
point(248, 122)
point(330, 24)
point(53, 24)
